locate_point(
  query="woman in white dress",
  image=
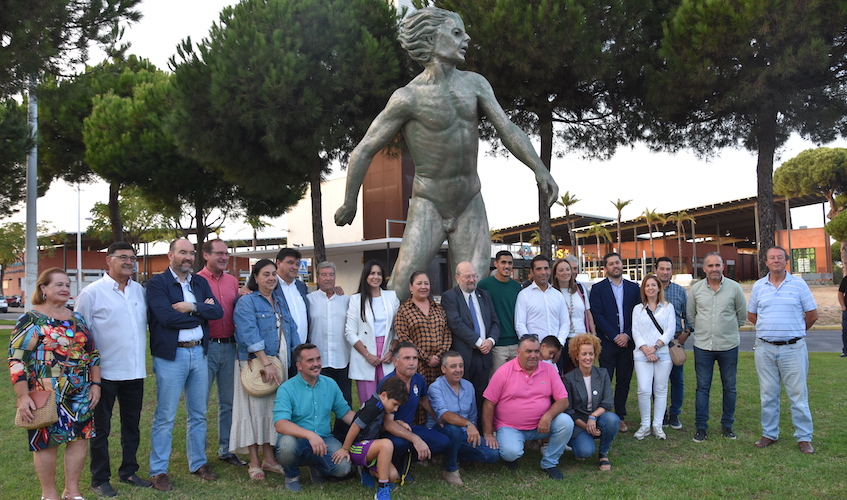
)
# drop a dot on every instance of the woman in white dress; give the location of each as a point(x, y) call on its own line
point(369, 330)
point(263, 324)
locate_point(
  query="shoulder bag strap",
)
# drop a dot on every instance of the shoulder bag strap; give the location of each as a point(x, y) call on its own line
point(650, 313)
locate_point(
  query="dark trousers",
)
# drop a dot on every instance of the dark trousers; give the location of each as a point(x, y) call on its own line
point(476, 374)
point(844, 332)
point(341, 377)
point(618, 360)
point(129, 394)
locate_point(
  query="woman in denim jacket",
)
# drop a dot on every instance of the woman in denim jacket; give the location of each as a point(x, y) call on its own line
point(263, 325)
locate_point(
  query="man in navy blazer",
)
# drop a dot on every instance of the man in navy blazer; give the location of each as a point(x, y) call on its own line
point(473, 337)
point(612, 301)
point(293, 292)
point(179, 307)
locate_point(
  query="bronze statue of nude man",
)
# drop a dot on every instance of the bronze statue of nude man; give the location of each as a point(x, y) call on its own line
point(438, 114)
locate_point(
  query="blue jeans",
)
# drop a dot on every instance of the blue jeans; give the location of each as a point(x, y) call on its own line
point(511, 440)
point(788, 364)
point(221, 360)
point(583, 442)
point(438, 445)
point(291, 452)
point(704, 367)
point(188, 372)
point(460, 449)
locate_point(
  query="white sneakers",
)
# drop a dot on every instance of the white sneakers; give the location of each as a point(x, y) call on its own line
point(642, 432)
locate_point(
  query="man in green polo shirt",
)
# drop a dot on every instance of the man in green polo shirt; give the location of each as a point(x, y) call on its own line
point(302, 418)
point(504, 293)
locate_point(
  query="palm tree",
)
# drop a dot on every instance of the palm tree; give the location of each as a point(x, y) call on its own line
point(255, 222)
point(653, 220)
point(620, 206)
point(679, 218)
point(495, 236)
point(599, 231)
point(567, 201)
point(635, 240)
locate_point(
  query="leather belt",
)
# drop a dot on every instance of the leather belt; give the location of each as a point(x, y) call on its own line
point(192, 343)
point(223, 340)
point(784, 342)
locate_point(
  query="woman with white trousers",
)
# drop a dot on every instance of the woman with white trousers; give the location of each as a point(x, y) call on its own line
point(653, 326)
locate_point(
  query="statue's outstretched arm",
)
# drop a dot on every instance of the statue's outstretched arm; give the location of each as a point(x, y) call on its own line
point(515, 139)
point(384, 127)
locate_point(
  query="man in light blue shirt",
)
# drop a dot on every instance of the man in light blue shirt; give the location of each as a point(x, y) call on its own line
point(783, 309)
point(454, 402)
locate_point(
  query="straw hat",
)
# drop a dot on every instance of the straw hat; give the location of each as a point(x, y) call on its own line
point(251, 377)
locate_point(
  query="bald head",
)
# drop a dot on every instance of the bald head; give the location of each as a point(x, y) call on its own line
point(466, 276)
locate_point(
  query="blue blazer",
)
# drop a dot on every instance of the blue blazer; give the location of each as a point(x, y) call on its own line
point(605, 310)
point(255, 325)
point(165, 322)
point(461, 324)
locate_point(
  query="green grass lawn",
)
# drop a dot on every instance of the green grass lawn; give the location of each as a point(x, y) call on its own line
point(676, 468)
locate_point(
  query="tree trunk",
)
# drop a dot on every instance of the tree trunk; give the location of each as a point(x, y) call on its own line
point(115, 212)
point(545, 229)
point(619, 231)
point(635, 240)
point(255, 239)
point(679, 242)
point(764, 175)
point(200, 218)
point(652, 248)
point(317, 214)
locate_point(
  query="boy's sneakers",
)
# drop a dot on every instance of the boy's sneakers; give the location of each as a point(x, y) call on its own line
point(674, 422)
point(727, 433)
point(700, 435)
point(383, 493)
point(367, 479)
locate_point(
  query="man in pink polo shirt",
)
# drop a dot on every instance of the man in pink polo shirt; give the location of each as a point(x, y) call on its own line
point(518, 406)
point(222, 346)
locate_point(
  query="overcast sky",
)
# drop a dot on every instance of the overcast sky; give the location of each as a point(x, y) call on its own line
point(663, 182)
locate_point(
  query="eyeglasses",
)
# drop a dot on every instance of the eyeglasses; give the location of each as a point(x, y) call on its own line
point(533, 336)
point(220, 254)
point(125, 258)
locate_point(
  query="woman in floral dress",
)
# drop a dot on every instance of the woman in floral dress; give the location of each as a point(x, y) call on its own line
point(51, 348)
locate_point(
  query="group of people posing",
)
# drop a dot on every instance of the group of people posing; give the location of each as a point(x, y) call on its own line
point(491, 369)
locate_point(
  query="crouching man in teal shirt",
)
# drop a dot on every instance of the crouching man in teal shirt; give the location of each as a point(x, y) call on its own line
point(302, 418)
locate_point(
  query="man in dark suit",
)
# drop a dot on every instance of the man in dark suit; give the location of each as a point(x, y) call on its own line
point(179, 307)
point(293, 292)
point(612, 301)
point(475, 326)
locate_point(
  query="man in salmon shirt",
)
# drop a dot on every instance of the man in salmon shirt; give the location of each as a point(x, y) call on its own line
point(524, 401)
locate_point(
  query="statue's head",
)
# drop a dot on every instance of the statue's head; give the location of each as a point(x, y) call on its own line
point(418, 30)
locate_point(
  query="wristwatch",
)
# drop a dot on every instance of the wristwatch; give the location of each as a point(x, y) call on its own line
point(656, 347)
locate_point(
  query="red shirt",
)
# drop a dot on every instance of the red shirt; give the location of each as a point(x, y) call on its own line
point(225, 289)
point(520, 400)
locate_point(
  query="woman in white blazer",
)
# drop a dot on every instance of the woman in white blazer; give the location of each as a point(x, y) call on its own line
point(369, 331)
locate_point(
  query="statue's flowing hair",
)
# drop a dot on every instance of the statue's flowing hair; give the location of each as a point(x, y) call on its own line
point(417, 31)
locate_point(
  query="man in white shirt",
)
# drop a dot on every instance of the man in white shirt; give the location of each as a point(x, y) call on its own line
point(294, 293)
point(327, 319)
point(115, 309)
point(540, 309)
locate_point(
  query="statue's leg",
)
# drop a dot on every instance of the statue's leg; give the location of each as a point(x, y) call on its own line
point(471, 240)
point(422, 238)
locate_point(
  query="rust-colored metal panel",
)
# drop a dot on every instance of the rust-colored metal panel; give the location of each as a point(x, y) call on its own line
point(385, 194)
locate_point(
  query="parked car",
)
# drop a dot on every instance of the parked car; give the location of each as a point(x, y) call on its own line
point(15, 301)
point(4, 306)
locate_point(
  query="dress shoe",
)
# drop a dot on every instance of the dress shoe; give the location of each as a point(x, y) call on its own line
point(104, 490)
point(232, 459)
point(806, 447)
point(136, 481)
point(764, 442)
point(452, 478)
point(623, 427)
point(161, 482)
point(205, 473)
